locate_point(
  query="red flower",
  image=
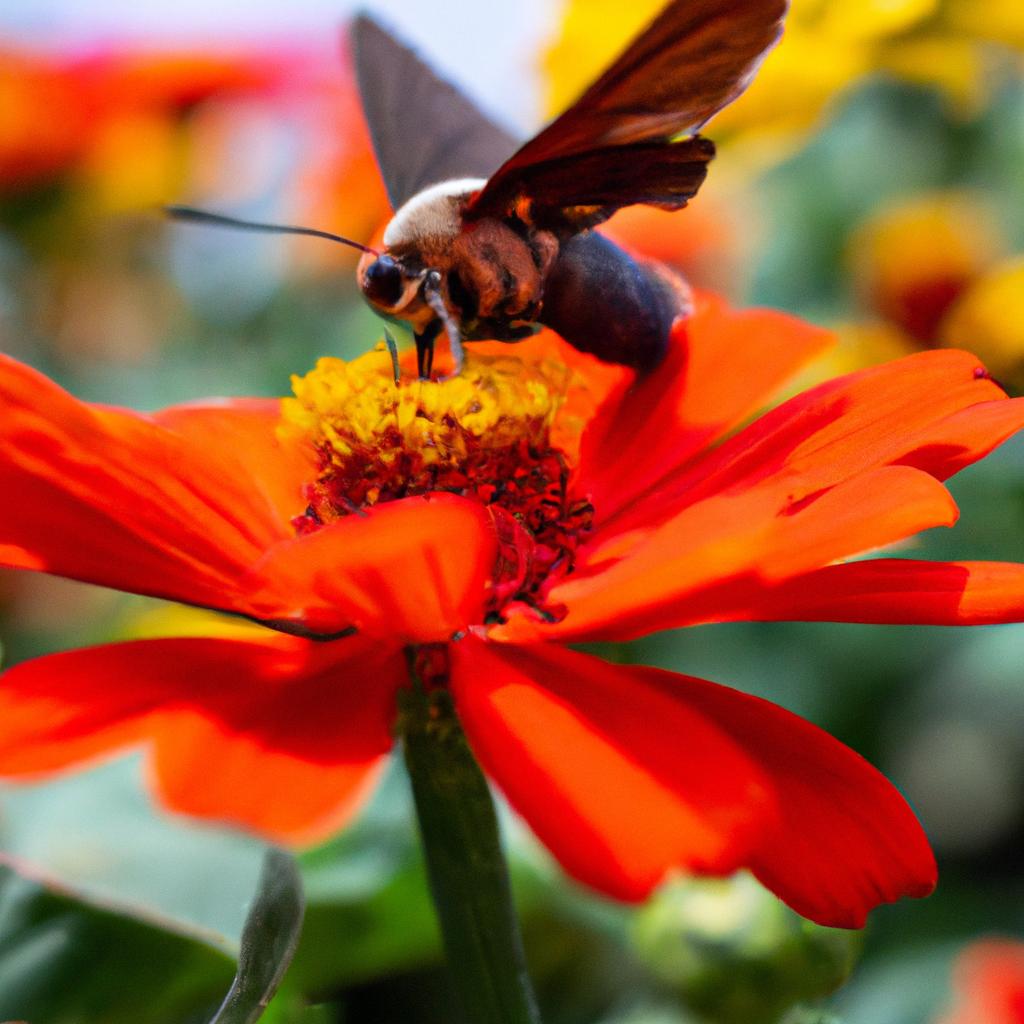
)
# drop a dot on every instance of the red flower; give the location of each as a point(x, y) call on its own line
point(479, 521)
point(989, 981)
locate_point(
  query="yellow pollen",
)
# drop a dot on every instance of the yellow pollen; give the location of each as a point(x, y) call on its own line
point(352, 410)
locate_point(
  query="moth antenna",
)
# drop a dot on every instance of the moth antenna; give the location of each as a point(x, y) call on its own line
point(432, 293)
point(389, 340)
point(191, 215)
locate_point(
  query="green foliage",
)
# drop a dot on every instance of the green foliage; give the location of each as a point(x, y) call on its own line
point(64, 960)
point(269, 939)
point(802, 1016)
point(735, 955)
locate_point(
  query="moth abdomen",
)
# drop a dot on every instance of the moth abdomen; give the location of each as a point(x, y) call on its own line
point(603, 301)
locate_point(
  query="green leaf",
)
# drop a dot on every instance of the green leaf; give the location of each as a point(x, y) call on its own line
point(100, 833)
point(66, 961)
point(362, 939)
point(269, 940)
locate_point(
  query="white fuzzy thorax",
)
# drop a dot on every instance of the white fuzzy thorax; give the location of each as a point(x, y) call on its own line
point(433, 213)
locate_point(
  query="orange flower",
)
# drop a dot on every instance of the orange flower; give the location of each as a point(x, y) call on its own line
point(477, 524)
point(61, 114)
point(989, 981)
point(120, 126)
point(32, 145)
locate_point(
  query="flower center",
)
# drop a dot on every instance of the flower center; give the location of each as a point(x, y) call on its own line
point(484, 435)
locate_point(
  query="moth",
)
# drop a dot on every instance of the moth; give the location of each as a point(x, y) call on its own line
point(490, 238)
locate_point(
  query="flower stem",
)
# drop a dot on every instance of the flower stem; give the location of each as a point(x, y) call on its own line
point(466, 866)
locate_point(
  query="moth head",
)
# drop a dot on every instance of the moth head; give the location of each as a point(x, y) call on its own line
point(394, 287)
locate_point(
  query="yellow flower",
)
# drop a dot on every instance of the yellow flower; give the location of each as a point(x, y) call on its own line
point(827, 46)
point(989, 319)
point(934, 270)
point(1001, 21)
point(911, 261)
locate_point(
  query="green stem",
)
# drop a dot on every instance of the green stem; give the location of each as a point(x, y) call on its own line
point(468, 875)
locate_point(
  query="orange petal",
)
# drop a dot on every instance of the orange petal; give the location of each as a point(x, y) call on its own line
point(177, 505)
point(844, 840)
point(280, 736)
point(721, 367)
point(753, 535)
point(245, 430)
point(945, 447)
point(626, 772)
point(620, 780)
point(414, 570)
point(916, 410)
point(194, 504)
point(885, 590)
point(879, 507)
point(936, 410)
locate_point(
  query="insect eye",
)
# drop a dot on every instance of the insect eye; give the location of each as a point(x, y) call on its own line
point(383, 282)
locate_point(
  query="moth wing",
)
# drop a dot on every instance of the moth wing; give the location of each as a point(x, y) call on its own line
point(423, 129)
point(694, 59)
point(584, 189)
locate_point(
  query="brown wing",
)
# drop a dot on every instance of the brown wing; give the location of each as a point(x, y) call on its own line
point(423, 129)
point(694, 59)
point(601, 181)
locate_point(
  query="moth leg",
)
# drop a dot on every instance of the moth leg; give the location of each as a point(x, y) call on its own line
point(458, 352)
point(434, 298)
point(392, 345)
point(425, 348)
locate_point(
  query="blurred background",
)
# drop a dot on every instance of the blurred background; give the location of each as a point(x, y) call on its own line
point(872, 179)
